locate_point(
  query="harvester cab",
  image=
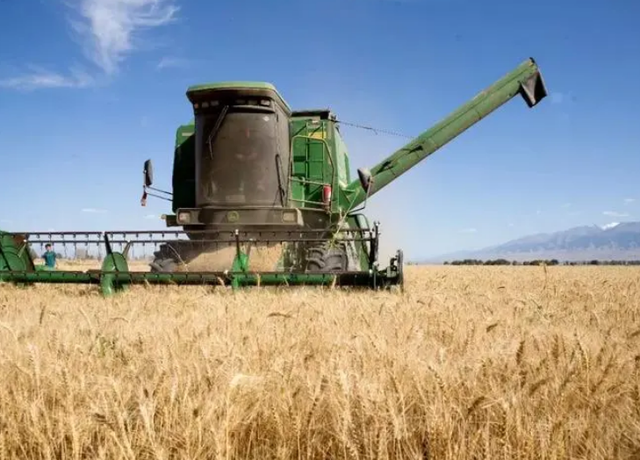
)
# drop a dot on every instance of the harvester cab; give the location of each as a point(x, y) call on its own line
point(263, 194)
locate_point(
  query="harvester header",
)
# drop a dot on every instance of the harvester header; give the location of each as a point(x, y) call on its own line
point(263, 195)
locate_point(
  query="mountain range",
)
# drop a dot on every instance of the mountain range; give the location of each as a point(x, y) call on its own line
point(612, 242)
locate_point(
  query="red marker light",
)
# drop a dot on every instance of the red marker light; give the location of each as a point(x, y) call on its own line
point(326, 194)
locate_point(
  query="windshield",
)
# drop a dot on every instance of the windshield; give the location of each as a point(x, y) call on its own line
point(237, 162)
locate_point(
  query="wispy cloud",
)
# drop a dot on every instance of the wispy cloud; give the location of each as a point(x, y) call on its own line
point(169, 62)
point(468, 230)
point(94, 210)
point(629, 200)
point(566, 205)
point(611, 225)
point(108, 31)
point(109, 26)
point(40, 78)
point(150, 216)
point(615, 214)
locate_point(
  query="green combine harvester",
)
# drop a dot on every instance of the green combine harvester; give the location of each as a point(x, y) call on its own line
point(262, 195)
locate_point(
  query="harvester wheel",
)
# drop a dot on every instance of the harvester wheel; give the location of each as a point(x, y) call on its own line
point(163, 265)
point(164, 260)
point(326, 259)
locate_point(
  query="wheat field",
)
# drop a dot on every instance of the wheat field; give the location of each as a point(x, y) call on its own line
point(467, 363)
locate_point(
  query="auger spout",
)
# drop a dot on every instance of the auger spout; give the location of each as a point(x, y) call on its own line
point(525, 80)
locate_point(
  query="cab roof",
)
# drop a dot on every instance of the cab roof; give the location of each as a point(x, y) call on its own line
point(237, 85)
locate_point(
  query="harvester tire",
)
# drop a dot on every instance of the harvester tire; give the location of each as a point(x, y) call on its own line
point(327, 259)
point(164, 260)
point(163, 266)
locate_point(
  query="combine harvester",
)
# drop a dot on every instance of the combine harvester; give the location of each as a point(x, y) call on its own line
point(263, 196)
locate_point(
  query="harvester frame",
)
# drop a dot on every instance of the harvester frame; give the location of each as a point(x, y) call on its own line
point(296, 190)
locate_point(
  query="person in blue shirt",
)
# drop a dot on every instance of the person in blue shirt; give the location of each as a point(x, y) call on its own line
point(49, 257)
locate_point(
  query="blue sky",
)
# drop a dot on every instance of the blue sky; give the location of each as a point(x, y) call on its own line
point(89, 89)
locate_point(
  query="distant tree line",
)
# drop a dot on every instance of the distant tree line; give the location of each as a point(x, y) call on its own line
point(540, 262)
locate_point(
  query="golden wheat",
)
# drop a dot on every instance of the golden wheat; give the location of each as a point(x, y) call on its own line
point(263, 258)
point(468, 362)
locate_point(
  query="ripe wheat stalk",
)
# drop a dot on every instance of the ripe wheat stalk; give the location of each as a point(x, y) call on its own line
point(469, 362)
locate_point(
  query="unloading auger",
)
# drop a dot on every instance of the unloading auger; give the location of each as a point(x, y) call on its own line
point(253, 177)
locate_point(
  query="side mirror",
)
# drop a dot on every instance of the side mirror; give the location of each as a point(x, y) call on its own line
point(148, 173)
point(365, 179)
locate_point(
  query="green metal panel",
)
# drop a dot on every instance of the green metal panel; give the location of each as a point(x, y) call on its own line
point(109, 283)
point(298, 163)
point(14, 253)
point(321, 157)
point(313, 163)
